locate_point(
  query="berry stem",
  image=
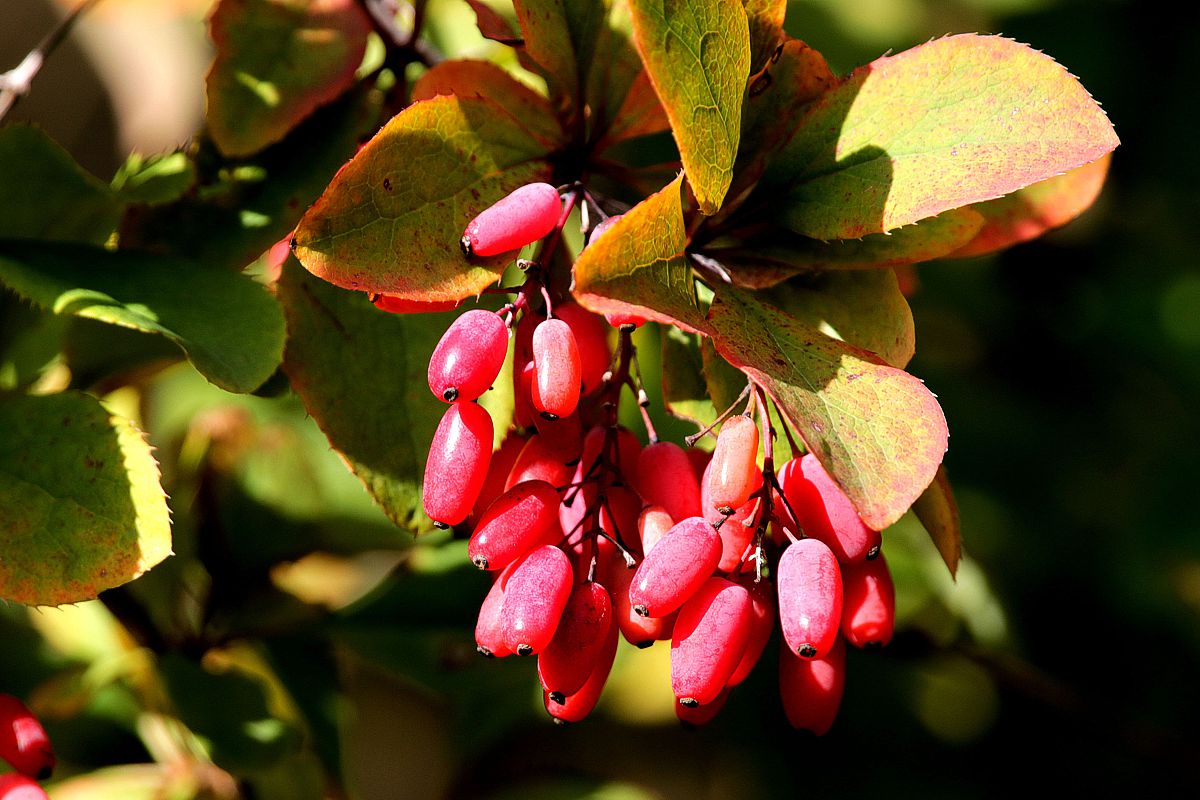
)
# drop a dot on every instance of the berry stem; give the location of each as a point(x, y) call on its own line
point(726, 414)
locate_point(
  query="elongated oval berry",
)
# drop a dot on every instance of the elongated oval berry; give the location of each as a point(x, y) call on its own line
point(572, 655)
point(639, 631)
point(557, 369)
point(524, 414)
point(518, 219)
point(19, 787)
point(665, 478)
point(809, 581)
point(762, 622)
point(574, 707)
point(524, 517)
point(563, 435)
point(539, 462)
point(458, 462)
point(811, 689)
point(653, 524)
point(489, 627)
point(399, 305)
point(737, 530)
point(499, 467)
point(619, 517)
point(695, 716)
point(591, 338)
point(824, 511)
point(731, 472)
point(534, 599)
point(469, 356)
point(676, 568)
point(23, 741)
point(708, 642)
point(869, 603)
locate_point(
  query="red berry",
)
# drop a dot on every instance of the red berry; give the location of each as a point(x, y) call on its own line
point(653, 524)
point(557, 369)
point(534, 599)
point(825, 512)
point(676, 568)
point(732, 470)
point(563, 435)
point(23, 740)
point(458, 462)
point(399, 305)
point(869, 605)
point(811, 689)
point(521, 218)
point(499, 467)
point(19, 787)
point(639, 631)
point(762, 622)
point(489, 628)
point(708, 642)
point(665, 478)
point(521, 519)
point(575, 651)
point(602, 228)
point(574, 707)
point(591, 338)
point(539, 462)
point(619, 516)
point(738, 529)
point(810, 597)
point(524, 414)
point(469, 356)
point(695, 716)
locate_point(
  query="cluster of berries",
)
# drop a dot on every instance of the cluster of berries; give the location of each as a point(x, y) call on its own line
point(26, 748)
point(592, 536)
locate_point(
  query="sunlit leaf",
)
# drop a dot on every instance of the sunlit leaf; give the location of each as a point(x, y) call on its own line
point(766, 29)
point(392, 219)
point(876, 429)
point(277, 61)
point(154, 179)
point(697, 54)
point(83, 508)
point(958, 120)
point(230, 327)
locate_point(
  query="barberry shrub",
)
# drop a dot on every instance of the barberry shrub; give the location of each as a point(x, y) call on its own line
point(413, 224)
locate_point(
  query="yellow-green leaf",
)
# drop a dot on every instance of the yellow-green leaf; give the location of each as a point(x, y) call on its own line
point(697, 53)
point(83, 508)
point(278, 61)
point(938, 513)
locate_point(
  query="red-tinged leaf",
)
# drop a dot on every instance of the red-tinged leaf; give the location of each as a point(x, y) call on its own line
point(549, 46)
point(638, 266)
point(777, 256)
point(392, 218)
point(1028, 213)
point(698, 57)
point(863, 308)
point(877, 430)
point(494, 26)
point(278, 61)
point(766, 29)
point(483, 79)
point(641, 114)
point(956, 121)
point(938, 513)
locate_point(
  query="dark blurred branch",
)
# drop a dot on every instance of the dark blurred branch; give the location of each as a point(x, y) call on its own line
point(15, 83)
point(402, 48)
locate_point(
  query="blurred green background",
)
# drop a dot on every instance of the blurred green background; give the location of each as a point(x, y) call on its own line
point(1065, 658)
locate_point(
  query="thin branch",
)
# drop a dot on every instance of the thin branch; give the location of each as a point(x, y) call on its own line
point(15, 83)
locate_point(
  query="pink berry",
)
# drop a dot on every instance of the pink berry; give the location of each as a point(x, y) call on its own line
point(521, 519)
point(708, 642)
point(575, 707)
point(520, 218)
point(469, 356)
point(574, 652)
point(732, 471)
point(665, 478)
point(557, 369)
point(869, 603)
point(811, 689)
point(458, 462)
point(676, 568)
point(534, 599)
point(809, 582)
point(823, 511)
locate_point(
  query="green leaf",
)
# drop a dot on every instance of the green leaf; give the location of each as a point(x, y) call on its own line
point(865, 309)
point(685, 394)
point(638, 266)
point(698, 57)
point(775, 256)
point(938, 513)
point(277, 61)
point(955, 121)
point(228, 326)
point(83, 508)
point(362, 375)
point(876, 429)
point(154, 179)
point(766, 29)
point(549, 45)
point(392, 218)
point(46, 195)
point(1028, 213)
point(483, 79)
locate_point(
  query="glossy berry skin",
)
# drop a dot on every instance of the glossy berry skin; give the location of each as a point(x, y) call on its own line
point(825, 512)
point(762, 622)
point(521, 519)
point(709, 639)
point(732, 470)
point(534, 599)
point(811, 690)
point(558, 371)
point(14, 786)
point(653, 524)
point(538, 461)
point(809, 582)
point(639, 631)
point(737, 530)
point(457, 463)
point(676, 568)
point(869, 603)
point(469, 356)
point(399, 305)
point(665, 478)
point(499, 467)
point(591, 338)
point(575, 651)
point(520, 218)
point(575, 707)
point(23, 740)
point(695, 716)
point(489, 627)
